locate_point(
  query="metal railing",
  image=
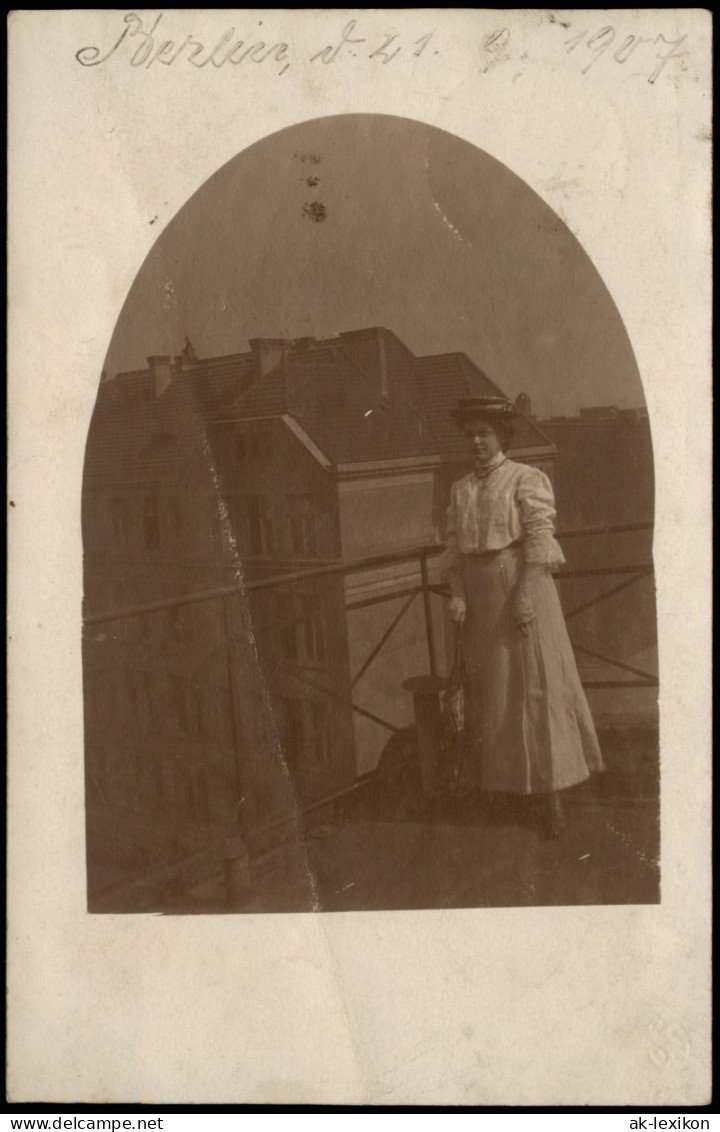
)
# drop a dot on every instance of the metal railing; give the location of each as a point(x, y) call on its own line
point(629, 573)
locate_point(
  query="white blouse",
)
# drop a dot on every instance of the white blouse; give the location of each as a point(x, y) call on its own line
point(513, 503)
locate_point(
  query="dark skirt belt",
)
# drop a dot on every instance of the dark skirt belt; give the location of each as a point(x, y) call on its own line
point(493, 553)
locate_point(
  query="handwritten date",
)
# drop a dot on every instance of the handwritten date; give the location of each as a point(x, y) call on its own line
point(591, 46)
point(144, 45)
point(626, 46)
point(386, 51)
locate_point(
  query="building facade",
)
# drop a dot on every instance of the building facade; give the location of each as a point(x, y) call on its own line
point(604, 480)
point(261, 480)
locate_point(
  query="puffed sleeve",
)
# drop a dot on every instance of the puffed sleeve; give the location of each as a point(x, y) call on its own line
point(451, 561)
point(537, 514)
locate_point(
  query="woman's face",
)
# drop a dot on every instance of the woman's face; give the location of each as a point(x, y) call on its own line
point(484, 439)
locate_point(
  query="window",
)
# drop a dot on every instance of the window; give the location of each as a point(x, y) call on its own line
point(286, 631)
point(151, 523)
point(254, 526)
point(291, 728)
point(120, 521)
point(231, 523)
point(267, 526)
point(303, 729)
point(298, 634)
point(314, 640)
point(253, 522)
point(302, 526)
point(260, 525)
point(319, 715)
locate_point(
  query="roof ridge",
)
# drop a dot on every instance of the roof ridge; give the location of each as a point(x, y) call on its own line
point(437, 357)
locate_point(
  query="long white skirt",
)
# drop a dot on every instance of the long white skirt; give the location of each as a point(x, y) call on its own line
point(531, 730)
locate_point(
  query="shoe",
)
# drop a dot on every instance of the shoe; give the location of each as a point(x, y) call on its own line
point(554, 822)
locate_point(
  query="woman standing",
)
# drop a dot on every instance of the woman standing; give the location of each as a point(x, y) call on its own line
point(529, 719)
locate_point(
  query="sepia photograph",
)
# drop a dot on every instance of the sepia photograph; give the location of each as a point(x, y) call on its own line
point(359, 513)
point(369, 604)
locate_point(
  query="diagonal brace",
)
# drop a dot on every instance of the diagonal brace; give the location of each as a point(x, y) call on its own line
point(617, 664)
point(390, 629)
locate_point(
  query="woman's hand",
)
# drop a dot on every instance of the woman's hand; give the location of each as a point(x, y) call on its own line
point(523, 612)
point(458, 609)
point(523, 607)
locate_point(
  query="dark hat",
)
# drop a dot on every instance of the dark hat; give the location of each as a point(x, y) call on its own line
point(494, 408)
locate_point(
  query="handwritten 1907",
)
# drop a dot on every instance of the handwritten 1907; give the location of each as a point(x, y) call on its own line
point(499, 47)
point(142, 45)
point(148, 46)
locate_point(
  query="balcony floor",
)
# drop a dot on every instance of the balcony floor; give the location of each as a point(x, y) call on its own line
point(375, 852)
point(607, 855)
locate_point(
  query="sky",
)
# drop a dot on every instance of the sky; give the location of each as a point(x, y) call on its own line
point(370, 220)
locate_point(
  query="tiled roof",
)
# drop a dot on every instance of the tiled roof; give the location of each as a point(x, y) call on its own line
point(333, 388)
point(336, 398)
point(443, 379)
point(441, 383)
point(135, 438)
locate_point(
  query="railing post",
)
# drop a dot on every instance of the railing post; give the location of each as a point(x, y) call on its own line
point(426, 703)
point(236, 735)
point(428, 612)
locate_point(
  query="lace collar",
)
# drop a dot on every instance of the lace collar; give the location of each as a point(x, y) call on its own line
point(487, 469)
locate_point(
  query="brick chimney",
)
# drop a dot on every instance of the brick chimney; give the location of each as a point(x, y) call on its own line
point(382, 366)
point(367, 350)
point(268, 353)
point(160, 372)
point(524, 404)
